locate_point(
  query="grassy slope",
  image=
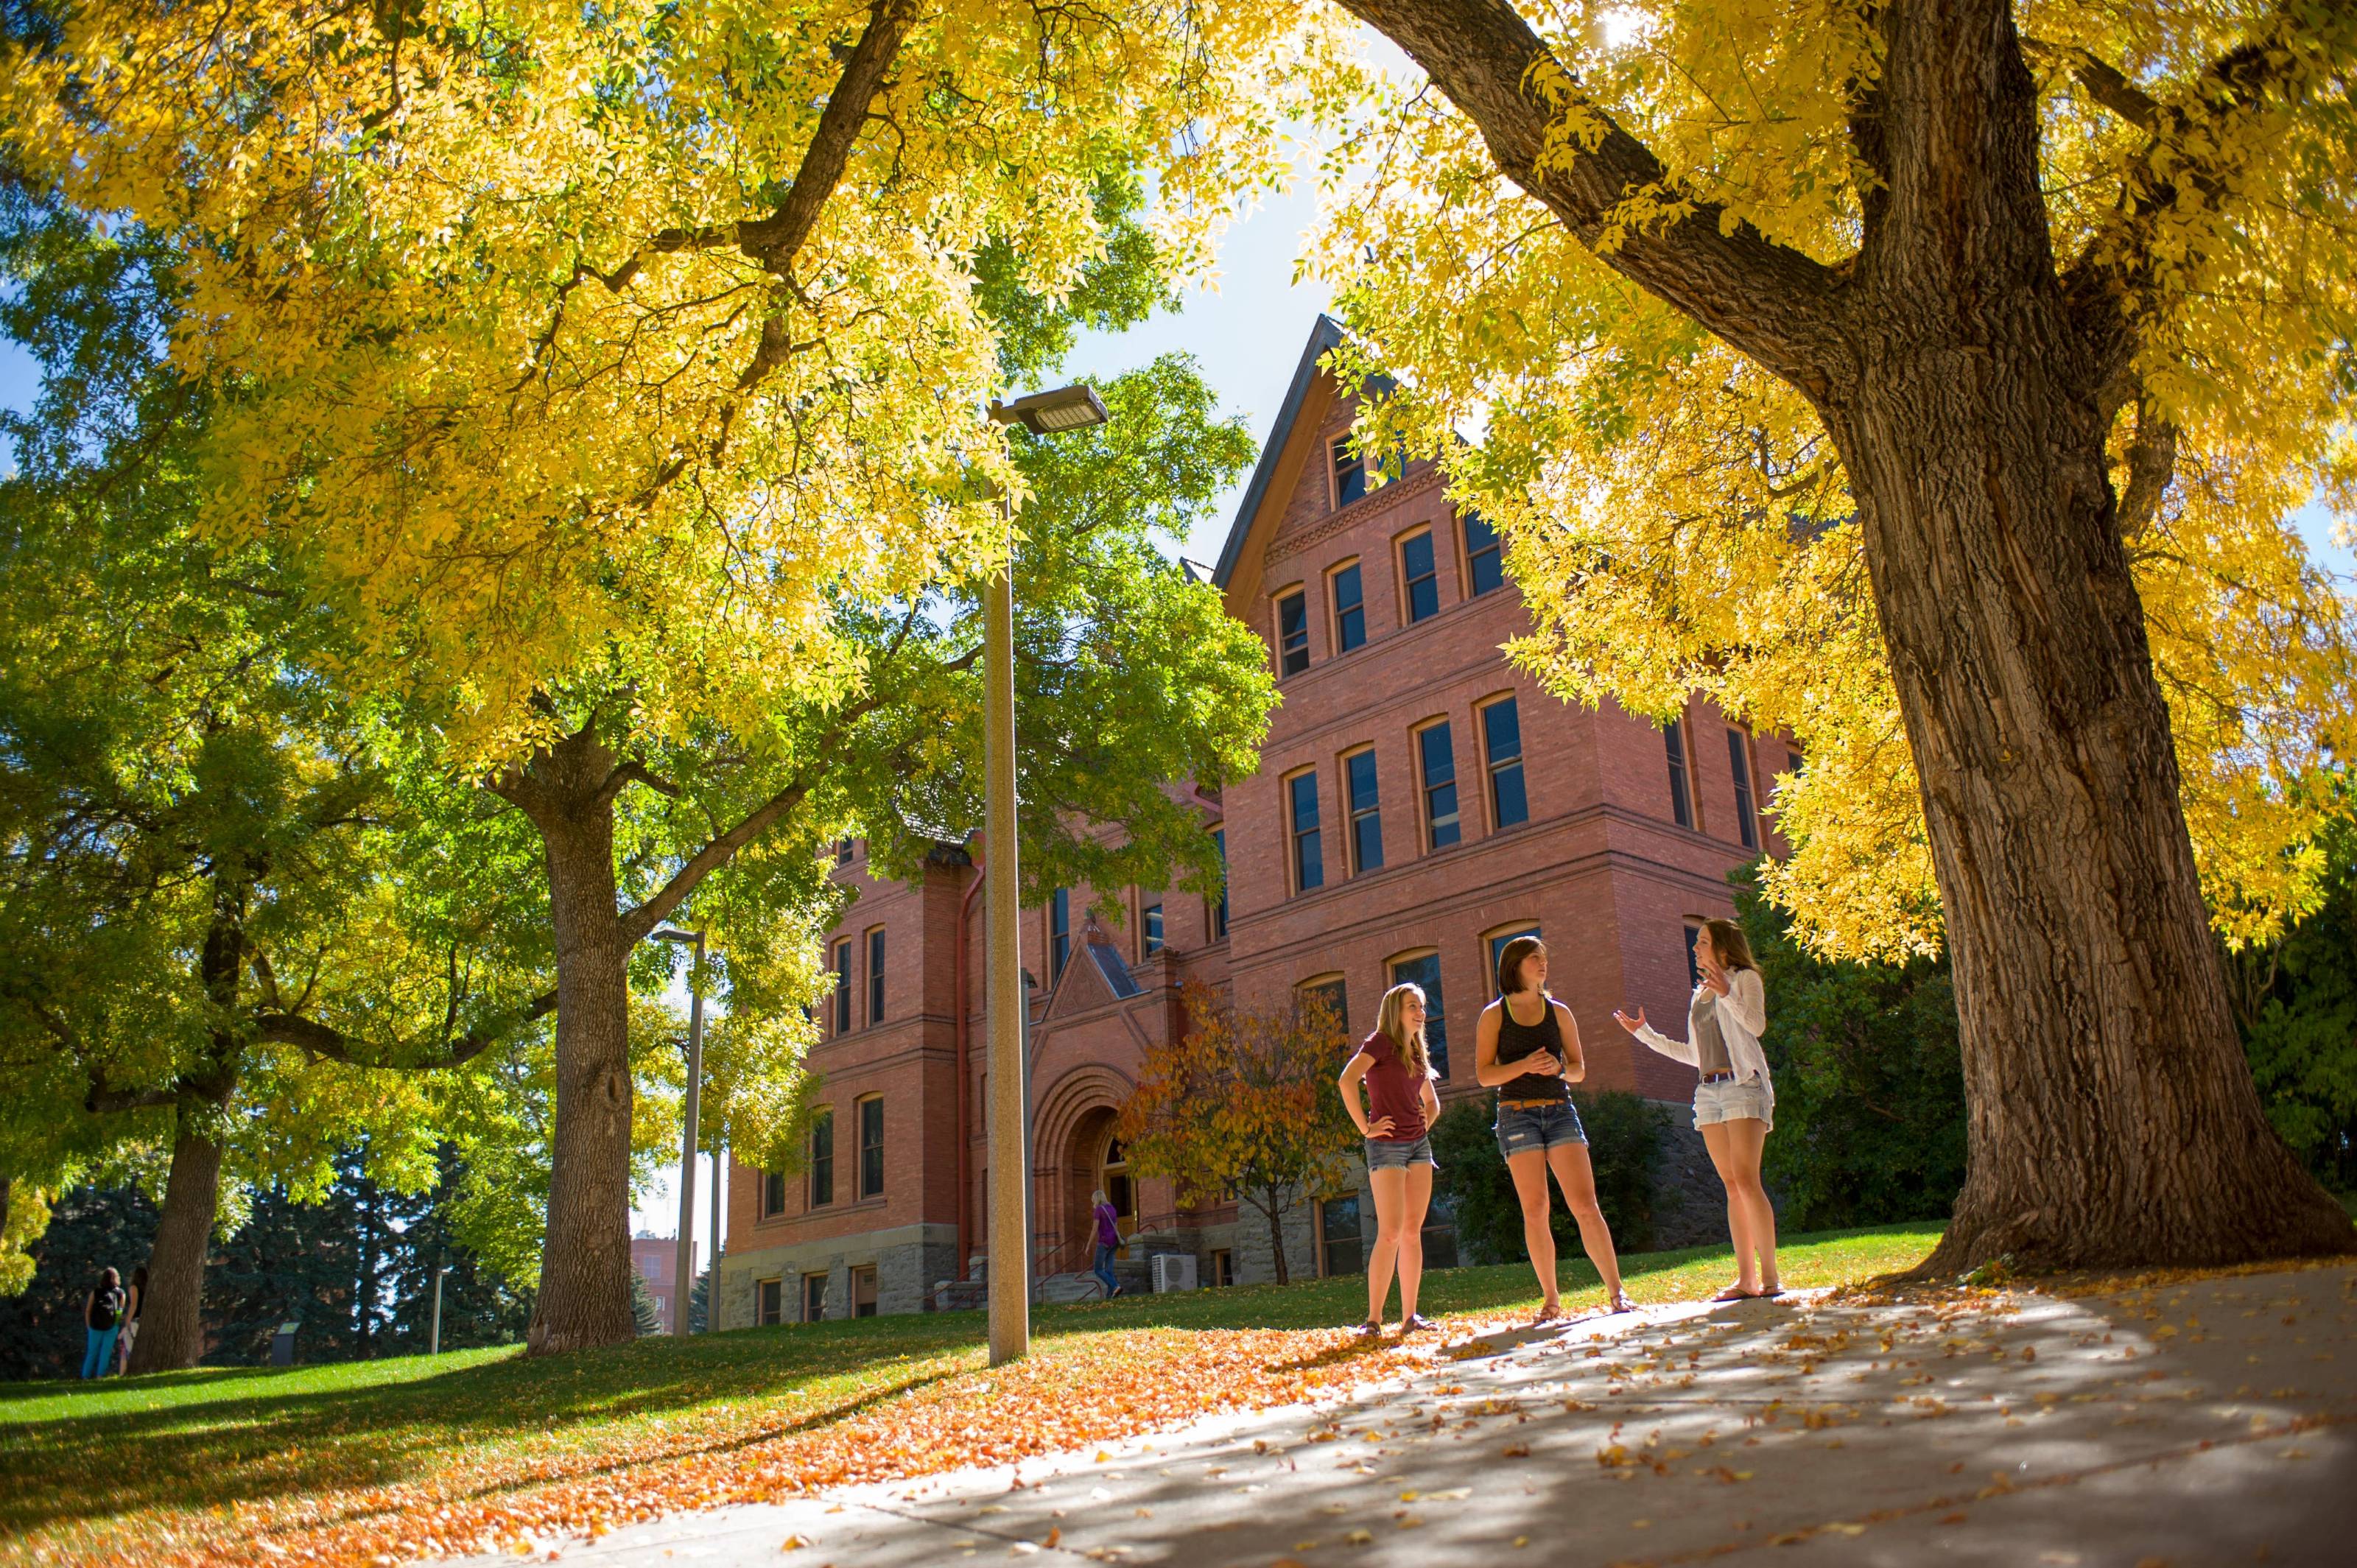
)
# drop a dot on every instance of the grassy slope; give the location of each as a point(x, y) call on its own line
point(89, 1469)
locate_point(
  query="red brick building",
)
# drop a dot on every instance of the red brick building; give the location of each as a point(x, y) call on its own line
point(656, 1259)
point(1418, 802)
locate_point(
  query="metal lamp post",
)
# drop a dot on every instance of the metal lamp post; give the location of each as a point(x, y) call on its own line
point(436, 1348)
point(683, 1278)
point(1042, 414)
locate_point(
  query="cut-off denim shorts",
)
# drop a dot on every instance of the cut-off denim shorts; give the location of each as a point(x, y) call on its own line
point(1522, 1129)
point(1731, 1100)
point(1390, 1154)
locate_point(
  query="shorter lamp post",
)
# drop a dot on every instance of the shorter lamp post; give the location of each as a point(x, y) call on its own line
point(685, 1279)
point(1042, 414)
point(440, 1270)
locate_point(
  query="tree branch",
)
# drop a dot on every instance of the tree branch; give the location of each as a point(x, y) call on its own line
point(322, 1040)
point(2152, 462)
point(1773, 304)
point(627, 774)
point(2102, 81)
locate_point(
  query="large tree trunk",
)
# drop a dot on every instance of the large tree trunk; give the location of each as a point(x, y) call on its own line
point(2112, 1119)
point(585, 1268)
point(171, 1316)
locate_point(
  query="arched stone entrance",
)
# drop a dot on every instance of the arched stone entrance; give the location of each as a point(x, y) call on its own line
point(1070, 1140)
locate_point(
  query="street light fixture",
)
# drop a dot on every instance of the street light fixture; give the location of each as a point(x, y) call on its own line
point(1042, 414)
point(680, 1281)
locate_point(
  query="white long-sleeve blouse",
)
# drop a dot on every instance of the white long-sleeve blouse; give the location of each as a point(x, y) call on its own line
point(1742, 1019)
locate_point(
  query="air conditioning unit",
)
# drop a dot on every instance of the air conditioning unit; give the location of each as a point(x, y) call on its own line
point(1174, 1271)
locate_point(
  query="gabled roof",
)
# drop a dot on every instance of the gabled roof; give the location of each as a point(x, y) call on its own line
point(1327, 335)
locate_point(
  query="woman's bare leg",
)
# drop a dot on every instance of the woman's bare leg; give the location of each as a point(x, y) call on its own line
point(1746, 1137)
point(1576, 1175)
point(1529, 1171)
point(1415, 1201)
point(1720, 1142)
point(1391, 1208)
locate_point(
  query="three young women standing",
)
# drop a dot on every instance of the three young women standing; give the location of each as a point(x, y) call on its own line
point(1527, 1048)
point(1398, 1071)
point(1735, 1103)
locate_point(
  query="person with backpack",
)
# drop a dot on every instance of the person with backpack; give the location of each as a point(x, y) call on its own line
point(124, 1340)
point(101, 1316)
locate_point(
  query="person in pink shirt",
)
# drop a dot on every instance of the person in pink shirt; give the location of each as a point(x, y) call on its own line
point(1108, 1242)
point(1398, 1071)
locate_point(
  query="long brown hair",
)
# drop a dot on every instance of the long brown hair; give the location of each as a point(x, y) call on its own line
point(1387, 1024)
point(1733, 947)
point(1510, 963)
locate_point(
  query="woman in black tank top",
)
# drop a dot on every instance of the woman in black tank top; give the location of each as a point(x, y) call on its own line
point(1527, 1048)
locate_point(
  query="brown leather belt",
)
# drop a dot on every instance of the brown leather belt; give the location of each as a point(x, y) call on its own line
point(1531, 1104)
point(1718, 1077)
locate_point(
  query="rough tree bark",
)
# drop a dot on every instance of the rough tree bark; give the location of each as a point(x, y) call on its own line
point(171, 1319)
point(1969, 385)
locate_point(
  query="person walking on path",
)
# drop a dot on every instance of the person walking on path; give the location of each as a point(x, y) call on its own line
point(1396, 1068)
point(1108, 1242)
point(101, 1315)
point(1734, 1100)
point(130, 1325)
point(1527, 1048)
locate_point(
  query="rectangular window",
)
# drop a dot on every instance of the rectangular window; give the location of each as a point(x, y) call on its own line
point(1308, 863)
point(1739, 756)
point(843, 852)
point(1438, 756)
point(769, 1302)
point(1366, 812)
point(1681, 804)
point(876, 975)
point(822, 1159)
point(1423, 971)
point(871, 1147)
point(1223, 1267)
point(1151, 921)
point(863, 1291)
point(1694, 969)
point(1350, 609)
point(1059, 932)
point(843, 986)
point(1291, 634)
point(1422, 578)
point(1336, 994)
point(1483, 568)
point(814, 1297)
point(1497, 948)
point(1501, 736)
point(1220, 911)
point(773, 1194)
point(1350, 472)
point(1341, 1248)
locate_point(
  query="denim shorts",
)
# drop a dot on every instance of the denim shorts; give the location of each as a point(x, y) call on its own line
point(1523, 1129)
point(1389, 1155)
point(1731, 1100)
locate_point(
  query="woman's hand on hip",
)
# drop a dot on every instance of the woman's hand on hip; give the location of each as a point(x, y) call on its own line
point(1380, 1127)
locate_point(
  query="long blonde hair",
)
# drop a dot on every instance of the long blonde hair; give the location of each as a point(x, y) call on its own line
point(1387, 1024)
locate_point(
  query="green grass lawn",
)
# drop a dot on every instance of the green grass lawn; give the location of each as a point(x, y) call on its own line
point(89, 1468)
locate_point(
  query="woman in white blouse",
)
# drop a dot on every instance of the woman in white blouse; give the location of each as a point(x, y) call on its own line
point(1735, 1103)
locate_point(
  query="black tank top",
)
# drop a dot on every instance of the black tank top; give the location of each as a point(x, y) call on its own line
point(1516, 1040)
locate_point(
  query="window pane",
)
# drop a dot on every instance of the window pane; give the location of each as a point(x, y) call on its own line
point(1681, 805)
point(773, 1192)
point(1293, 634)
point(1345, 1249)
point(1423, 970)
point(773, 1302)
point(814, 1297)
point(1502, 729)
point(1694, 969)
point(1481, 554)
point(876, 976)
point(1336, 996)
point(1738, 757)
point(1219, 913)
point(822, 1162)
point(1366, 818)
point(1059, 932)
point(1152, 923)
point(871, 1147)
point(1350, 610)
point(1350, 472)
point(1423, 581)
point(1308, 864)
point(841, 986)
point(1439, 759)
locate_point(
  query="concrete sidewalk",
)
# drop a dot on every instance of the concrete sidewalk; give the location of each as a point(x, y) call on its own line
point(2211, 1423)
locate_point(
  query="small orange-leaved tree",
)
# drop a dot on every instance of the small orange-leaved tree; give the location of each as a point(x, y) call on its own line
point(1243, 1104)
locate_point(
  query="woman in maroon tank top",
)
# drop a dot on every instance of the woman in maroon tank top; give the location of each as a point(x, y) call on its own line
point(1398, 1071)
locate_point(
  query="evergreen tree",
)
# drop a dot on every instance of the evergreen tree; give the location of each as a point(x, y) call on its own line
point(643, 1311)
point(90, 1228)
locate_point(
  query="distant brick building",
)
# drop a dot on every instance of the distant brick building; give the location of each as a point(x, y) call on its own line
point(1418, 802)
point(656, 1259)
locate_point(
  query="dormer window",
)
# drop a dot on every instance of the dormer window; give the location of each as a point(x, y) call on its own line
point(1350, 472)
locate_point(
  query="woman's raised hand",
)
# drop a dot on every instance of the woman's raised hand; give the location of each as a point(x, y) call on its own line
point(1626, 1022)
point(1714, 977)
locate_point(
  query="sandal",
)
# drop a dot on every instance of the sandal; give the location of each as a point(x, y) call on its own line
point(1416, 1323)
point(1734, 1293)
point(1769, 1292)
point(1618, 1303)
point(1369, 1329)
point(1548, 1315)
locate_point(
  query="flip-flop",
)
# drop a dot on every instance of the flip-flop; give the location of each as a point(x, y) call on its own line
point(1731, 1294)
point(1768, 1295)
